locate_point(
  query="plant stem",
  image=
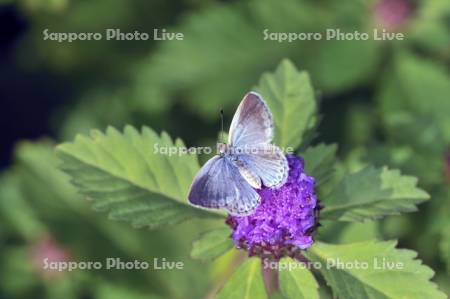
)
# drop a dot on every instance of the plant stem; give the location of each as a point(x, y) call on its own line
point(270, 277)
point(239, 258)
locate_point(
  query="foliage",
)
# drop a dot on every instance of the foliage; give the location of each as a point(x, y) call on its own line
point(375, 275)
point(372, 193)
point(383, 123)
point(290, 97)
point(116, 171)
point(119, 173)
point(297, 283)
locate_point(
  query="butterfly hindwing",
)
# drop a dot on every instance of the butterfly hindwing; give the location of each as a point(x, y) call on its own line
point(219, 184)
point(266, 162)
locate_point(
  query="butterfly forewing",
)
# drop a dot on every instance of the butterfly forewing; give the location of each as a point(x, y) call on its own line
point(218, 184)
point(252, 123)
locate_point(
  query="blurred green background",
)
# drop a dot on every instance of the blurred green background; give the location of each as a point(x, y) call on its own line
point(385, 102)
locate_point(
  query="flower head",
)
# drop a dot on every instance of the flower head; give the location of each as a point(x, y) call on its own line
point(50, 250)
point(392, 14)
point(283, 223)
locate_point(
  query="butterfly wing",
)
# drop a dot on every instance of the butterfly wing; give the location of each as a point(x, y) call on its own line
point(219, 184)
point(251, 133)
point(252, 123)
point(266, 162)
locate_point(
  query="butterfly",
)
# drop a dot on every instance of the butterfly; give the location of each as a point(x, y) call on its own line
point(248, 162)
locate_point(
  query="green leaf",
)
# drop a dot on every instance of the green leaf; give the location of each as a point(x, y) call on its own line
point(441, 223)
point(128, 175)
point(445, 246)
point(42, 195)
point(357, 232)
point(297, 282)
point(12, 260)
point(429, 29)
point(113, 290)
point(290, 97)
point(212, 244)
point(416, 90)
point(372, 193)
point(426, 88)
point(199, 57)
point(319, 161)
point(408, 277)
point(15, 211)
point(246, 282)
point(329, 68)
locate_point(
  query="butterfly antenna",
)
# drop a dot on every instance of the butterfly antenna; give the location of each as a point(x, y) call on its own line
point(221, 125)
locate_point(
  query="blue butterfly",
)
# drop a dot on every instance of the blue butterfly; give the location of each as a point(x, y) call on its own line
point(248, 162)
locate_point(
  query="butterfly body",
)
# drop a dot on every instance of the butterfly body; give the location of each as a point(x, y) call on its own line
point(222, 148)
point(248, 162)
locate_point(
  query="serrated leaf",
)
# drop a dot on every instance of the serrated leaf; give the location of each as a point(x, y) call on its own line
point(125, 174)
point(297, 282)
point(372, 193)
point(212, 244)
point(50, 195)
point(319, 161)
point(246, 282)
point(407, 277)
point(290, 97)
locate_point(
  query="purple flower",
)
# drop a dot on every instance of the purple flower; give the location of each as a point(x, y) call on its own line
point(283, 223)
point(392, 14)
point(48, 248)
